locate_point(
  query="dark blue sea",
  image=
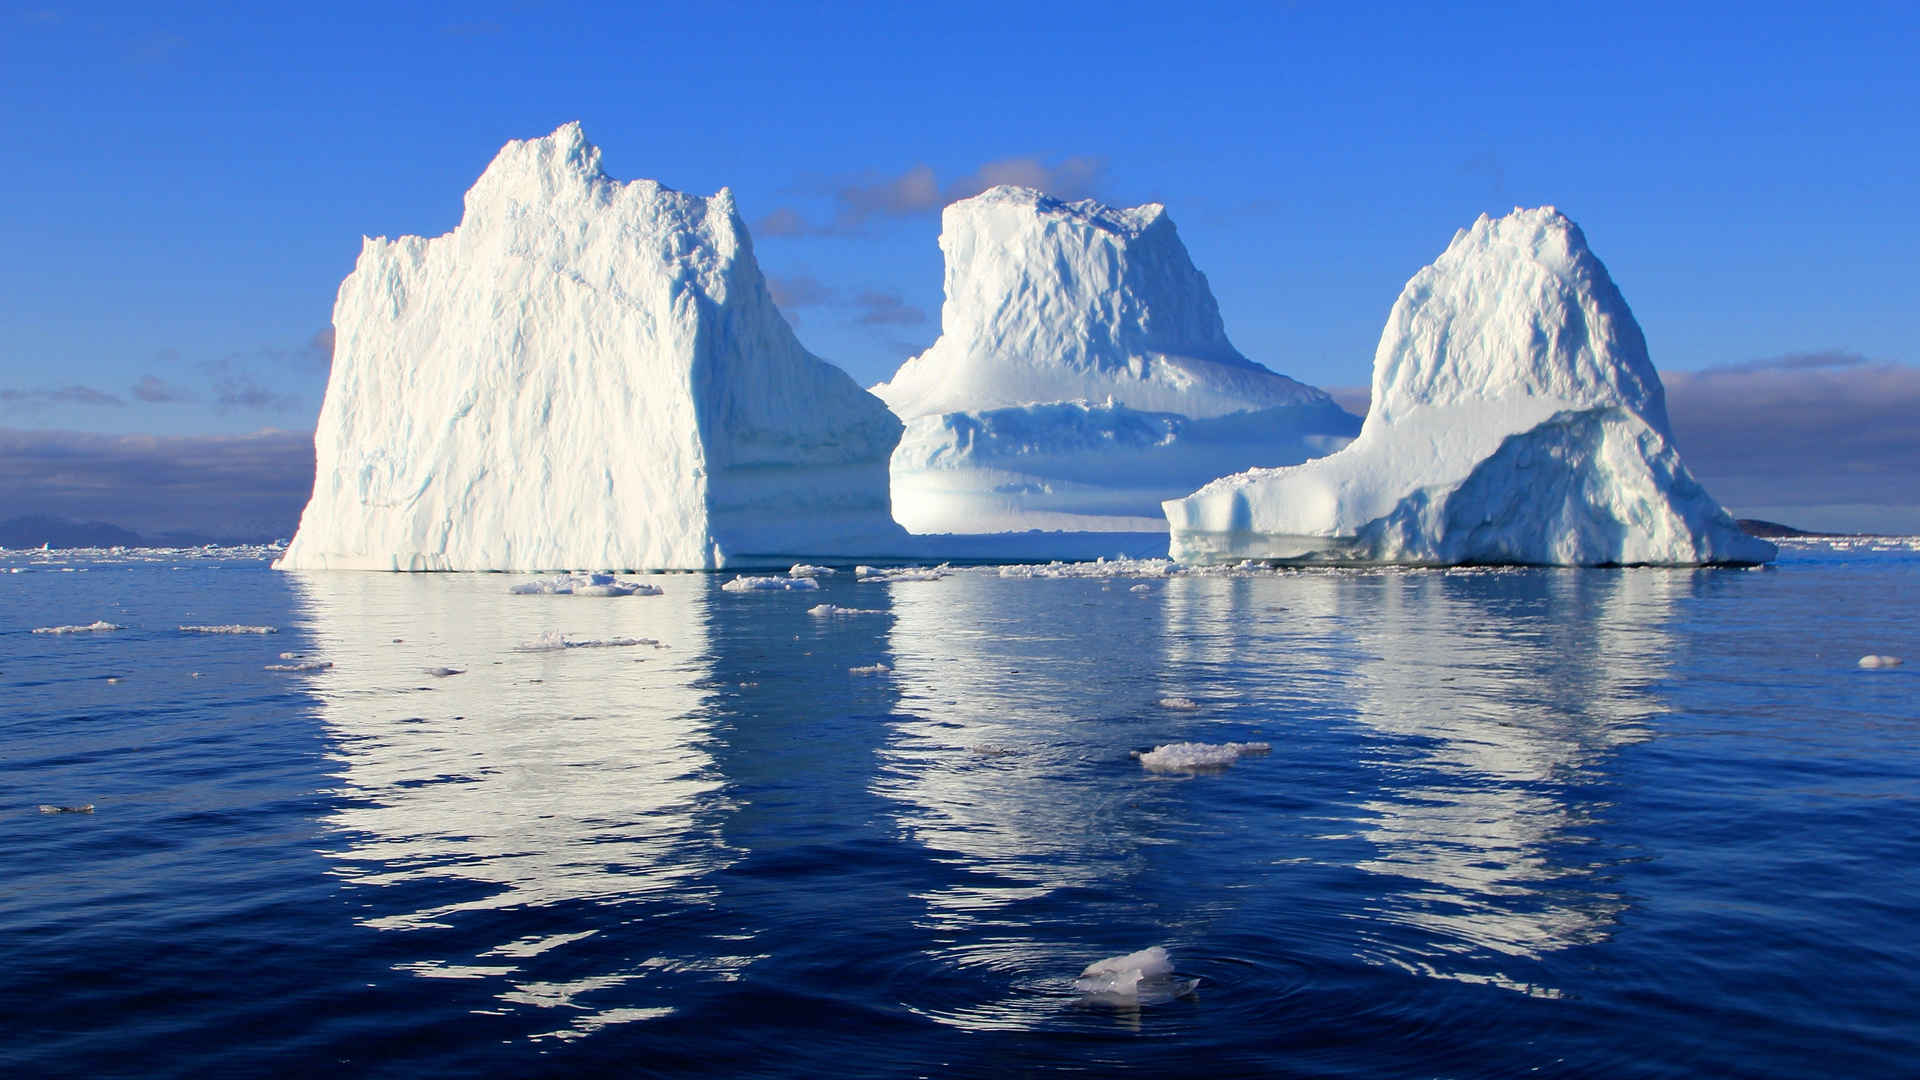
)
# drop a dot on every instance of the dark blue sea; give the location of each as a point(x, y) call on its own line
point(1620, 823)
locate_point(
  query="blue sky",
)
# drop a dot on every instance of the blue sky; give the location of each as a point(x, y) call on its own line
point(185, 190)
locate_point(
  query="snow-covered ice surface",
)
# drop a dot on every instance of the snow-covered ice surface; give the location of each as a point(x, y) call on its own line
point(583, 374)
point(1197, 756)
point(1128, 982)
point(1515, 418)
point(1082, 375)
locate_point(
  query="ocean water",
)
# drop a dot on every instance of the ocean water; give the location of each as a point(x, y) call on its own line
point(1508, 822)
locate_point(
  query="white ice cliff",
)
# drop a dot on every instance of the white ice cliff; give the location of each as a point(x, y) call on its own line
point(1515, 418)
point(584, 374)
point(1082, 376)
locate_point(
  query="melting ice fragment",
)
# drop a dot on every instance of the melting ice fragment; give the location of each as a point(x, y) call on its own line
point(1198, 757)
point(1128, 982)
point(1877, 661)
point(100, 627)
point(836, 609)
point(746, 583)
point(1515, 418)
point(231, 628)
point(583, 585)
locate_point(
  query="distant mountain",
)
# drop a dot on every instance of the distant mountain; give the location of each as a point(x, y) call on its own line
point(33, 530)
point(1769, 529)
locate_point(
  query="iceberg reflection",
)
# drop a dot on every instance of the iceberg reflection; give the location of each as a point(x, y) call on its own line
point(561, 781)
point(1496, 700)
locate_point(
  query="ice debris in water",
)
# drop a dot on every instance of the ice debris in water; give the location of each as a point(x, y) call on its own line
point(83, 808)
point(583, 585)
point(746, 583)
point(1183, 704)
point(1194, 756)
point(800, 570)
point(1868, 661)
point(302, 665)
point(1098, 568)
point(1128, 982)
point(443, 672)
point(836, 609)
point(230, 628)
point(872, 669)
point(93, 627)
point(553, 640)
point(869, 575)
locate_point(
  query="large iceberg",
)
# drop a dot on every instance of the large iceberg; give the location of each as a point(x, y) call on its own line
point(584, 374)
point(1082, 376)
point(1515, 418)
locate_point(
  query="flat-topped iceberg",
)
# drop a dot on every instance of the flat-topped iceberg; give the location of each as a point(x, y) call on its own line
point(1082, 375)
point(584, 374)
point(1515, 418)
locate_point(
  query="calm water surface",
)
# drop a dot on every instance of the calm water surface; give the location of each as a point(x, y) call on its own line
point(1541, 822)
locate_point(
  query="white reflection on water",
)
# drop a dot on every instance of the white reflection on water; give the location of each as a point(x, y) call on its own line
point(1503, 695)
point(543, 779)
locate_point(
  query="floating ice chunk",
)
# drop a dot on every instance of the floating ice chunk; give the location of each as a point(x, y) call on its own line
point(745, 583)
point(99, 627)
point(871, 669)
point(232, 628)
point(869, 575)
point(1869, 661)
point(1195, 757)
point(302, 665)
point(803, 570)
point(443, 672)
point(836, 609)
point(1183, 704)
point(1128, 982)
point(553, 640)
point(83, 808)
point(1141, 588)
point(583, 585)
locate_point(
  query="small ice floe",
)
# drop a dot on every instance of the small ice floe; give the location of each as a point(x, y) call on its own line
point(230, 628)
point(871, 669)
point(1198, 757)
point(803, 570)
point(1180, 704)
point(1128, 982)
point(1868, 661)
point(99, 627)
point(745, 583)
point(443, 672)
point(836, 609)
point(302, 665)
point(583, 585)
point(83, 808)
point(868, 575)
point(1143, 587)
point(554, 640)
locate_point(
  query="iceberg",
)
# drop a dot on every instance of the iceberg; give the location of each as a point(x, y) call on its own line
point(1082, 376)
point(1516, 418)
point(584, 374)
